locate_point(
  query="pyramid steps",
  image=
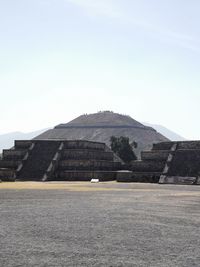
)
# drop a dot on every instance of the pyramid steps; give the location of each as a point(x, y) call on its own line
point(38, 161)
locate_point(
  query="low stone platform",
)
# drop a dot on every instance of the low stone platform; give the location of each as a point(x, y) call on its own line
point(75, 175)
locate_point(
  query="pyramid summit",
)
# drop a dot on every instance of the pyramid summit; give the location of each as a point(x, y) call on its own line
point(101, 126)
point(102, 119)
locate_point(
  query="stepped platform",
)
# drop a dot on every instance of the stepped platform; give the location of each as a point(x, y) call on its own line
point(72, 160)
point(150, 167)
point(167, 163)
point(79, 160)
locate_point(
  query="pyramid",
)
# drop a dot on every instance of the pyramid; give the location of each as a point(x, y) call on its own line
point(99, 127)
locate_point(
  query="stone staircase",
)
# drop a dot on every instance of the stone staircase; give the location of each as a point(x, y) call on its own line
point(38, 161)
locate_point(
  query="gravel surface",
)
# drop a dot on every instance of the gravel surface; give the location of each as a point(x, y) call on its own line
point(106, 224)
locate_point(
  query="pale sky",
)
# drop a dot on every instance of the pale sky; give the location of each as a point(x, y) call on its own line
point(62, 58)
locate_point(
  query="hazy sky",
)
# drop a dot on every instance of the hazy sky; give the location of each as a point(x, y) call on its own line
point(63, 58)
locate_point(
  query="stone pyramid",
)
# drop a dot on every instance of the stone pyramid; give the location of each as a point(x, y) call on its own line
point(101, 126)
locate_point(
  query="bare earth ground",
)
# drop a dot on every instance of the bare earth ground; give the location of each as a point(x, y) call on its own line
point(105, 224)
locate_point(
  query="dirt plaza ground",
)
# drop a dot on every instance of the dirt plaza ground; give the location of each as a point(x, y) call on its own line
point(104, 224)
